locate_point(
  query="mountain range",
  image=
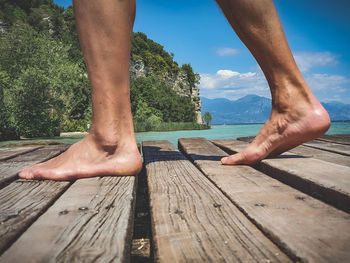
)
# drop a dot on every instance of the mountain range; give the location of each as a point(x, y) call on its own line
point(256, 109)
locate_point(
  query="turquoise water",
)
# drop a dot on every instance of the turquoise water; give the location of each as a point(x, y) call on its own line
point(225, 132)
point(216, 132)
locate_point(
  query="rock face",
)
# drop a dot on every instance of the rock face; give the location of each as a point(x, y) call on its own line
point(178, 82)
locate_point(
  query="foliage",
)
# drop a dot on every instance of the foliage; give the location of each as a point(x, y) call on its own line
point(74, 125)
point(192, 78)
point(153, 54)
point(162, 101)
point(44, 87)
point(207, 118)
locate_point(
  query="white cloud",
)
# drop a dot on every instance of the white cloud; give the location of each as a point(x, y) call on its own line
point(232, 84)
point(326, 82)
point(227, 51)
point(226, 74)
point(308, 60)
point(330, 87)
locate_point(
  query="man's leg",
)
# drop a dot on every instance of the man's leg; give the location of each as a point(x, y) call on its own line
point(297, 116)
point(104, 28)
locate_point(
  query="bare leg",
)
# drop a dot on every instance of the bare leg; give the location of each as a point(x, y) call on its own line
point(297, 116)
point(104, 29)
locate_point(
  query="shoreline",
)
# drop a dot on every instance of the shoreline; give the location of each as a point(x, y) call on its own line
point(216, 132)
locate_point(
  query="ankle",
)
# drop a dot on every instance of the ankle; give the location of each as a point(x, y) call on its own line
point(290, 96)
point(110, 141)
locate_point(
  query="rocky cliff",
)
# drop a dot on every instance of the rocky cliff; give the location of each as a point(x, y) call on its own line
point(178, 81)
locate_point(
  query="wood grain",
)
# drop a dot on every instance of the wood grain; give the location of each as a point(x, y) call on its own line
point(337, 138)
point(337, 147)
point(10, 168)
point(307, 152)
point(321, 155)
point(305, 227)
point(326, 181)
point(329, 146)
point(90, 222)
point(21, 202)
point(192, 220)
point(10, 153)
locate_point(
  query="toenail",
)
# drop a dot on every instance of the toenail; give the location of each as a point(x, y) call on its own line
point(224, 159)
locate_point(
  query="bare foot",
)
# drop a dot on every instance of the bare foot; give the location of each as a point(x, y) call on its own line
point(302, 122)
point(87, 158)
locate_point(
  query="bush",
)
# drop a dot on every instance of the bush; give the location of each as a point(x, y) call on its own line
point(40, 85)
point(75, 125)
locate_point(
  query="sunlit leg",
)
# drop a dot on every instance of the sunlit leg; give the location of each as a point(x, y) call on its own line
point(297, 116)
point(104, 29)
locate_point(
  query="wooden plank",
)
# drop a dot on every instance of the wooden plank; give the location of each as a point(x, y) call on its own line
point(314, 153)
point(321, 155)
point(11, 153)
point(326, 181)
point(305, 227)
point(337, 138)
point(21, 202)
point(90, 222)
point(192, 220)
point(319, 144)
point(334, 138)
point(329, 146)
point(246, 139)
point(10, 168)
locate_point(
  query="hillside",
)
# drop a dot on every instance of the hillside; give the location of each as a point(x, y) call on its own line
point(256, 109)
point(44, 88)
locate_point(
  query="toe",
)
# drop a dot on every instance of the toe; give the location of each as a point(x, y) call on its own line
point(26, 174)
point(238, 158)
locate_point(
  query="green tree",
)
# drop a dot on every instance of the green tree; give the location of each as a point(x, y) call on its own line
point(43, 87)
point(207, 118)
point(192, 78)
point(161, 100)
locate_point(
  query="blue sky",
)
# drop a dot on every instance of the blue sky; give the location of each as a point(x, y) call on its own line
point(318, 32)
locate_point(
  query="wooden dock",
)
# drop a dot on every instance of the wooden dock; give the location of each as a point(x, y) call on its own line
point(183, 207)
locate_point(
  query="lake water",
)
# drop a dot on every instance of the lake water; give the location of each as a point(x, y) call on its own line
point(216, 132)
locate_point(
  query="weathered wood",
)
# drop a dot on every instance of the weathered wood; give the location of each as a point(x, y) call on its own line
point(246, 139)
point(337, 138)
point(192, 220)
point(321, 155)
point(10, 168)
point(334, 138)
point(11, 153)
point(329, 146)
point(321, 144)
point(90, 222)
point(314, 153)
point(21, 202)
point(326, 181)
point(305, 227)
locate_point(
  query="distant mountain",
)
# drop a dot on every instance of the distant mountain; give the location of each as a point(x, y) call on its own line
point(337, 111)
point(256, 109)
